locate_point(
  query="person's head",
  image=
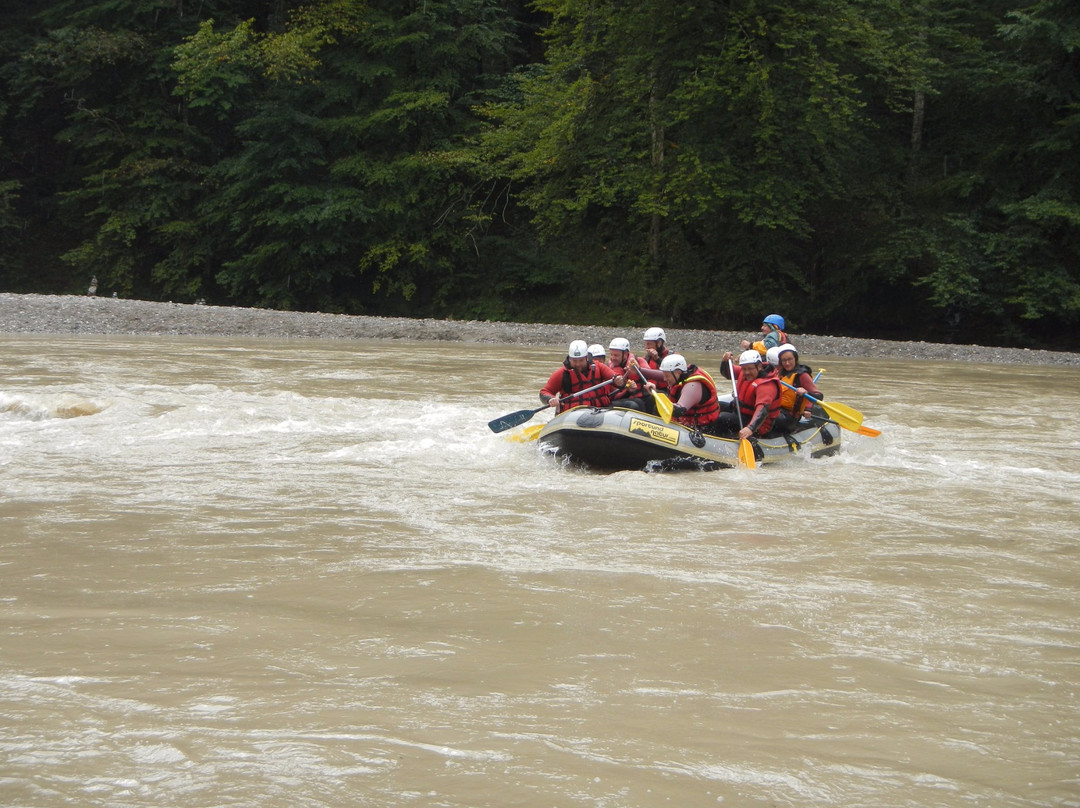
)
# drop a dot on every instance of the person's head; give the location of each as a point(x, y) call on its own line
point(750, 362)
point(674, 368)
point(596, 351)
point(772, 356)
point(619, 350)
point(772, 322)
point(578, 355)
point(655, 339)
point(788, 356)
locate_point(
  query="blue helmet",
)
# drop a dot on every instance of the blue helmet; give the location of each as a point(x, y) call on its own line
point(774, 320)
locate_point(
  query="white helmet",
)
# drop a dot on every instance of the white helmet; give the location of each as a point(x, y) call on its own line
point(750, 357)
point(655, 334)
point(578, 349)
point(596, 351)
point(620, 344)
point(782, 349)
point(673, 362)
point(772, 356)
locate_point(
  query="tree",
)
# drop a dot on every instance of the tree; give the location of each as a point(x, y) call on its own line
point(694, 140)
point(334, 197)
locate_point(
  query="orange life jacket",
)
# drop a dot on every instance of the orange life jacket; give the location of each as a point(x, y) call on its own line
point(790, 400)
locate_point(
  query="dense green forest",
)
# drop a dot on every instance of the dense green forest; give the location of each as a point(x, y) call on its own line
point(891, 168)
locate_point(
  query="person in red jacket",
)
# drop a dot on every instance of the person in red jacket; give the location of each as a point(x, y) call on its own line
point(631, 395)
point(758, 394)
point(579, 372)
point(655, 348)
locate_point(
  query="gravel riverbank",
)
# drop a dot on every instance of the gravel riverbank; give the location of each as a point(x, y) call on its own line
point(73, 314)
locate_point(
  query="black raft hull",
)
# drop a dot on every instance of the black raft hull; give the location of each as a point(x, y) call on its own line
point(626, 440)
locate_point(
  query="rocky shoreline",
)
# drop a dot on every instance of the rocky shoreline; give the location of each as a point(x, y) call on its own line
point(74, 314)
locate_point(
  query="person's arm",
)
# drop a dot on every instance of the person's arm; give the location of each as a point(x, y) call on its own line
point(763, 399)
point(655, 376)
point(552, 389)
point(806, 386)
point(690, 395)
point(725, 365)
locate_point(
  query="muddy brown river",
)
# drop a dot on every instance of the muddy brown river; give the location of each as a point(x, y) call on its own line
point(305, 573)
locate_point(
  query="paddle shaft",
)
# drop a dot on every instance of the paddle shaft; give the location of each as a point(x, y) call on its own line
point(796, 389)
point(869, 431)
point(604, 383)
point(735, 393)
point(746, 450)
point(513, 419)
point(846, 416)
point(664, 405)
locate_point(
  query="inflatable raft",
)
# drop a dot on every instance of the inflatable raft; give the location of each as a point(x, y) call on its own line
point(618, 439)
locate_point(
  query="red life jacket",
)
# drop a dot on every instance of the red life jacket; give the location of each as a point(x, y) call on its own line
point(705, 411)
point(630, 375)
point(573, 381)
point(660, 385)
point(748, 393)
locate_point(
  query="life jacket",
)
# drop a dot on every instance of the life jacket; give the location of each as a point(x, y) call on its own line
point(573, 381)
point(748, 396)
point(705, 411)
point(762, 345)
point(630, 375)
point(790, 400)
point(660, 385)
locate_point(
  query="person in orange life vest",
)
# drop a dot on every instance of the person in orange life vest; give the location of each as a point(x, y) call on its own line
point(577, 373)
point(772, 333)
point(693, 393)
point(630, 397)
point(793, 403)
point(759, 397)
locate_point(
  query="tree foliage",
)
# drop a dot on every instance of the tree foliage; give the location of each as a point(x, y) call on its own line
point(865, 166)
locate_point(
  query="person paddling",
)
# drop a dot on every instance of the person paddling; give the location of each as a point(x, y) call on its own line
point(631, 396)
point(579, 372)
point(758, 397)
point(693, 392)
point(793, 403)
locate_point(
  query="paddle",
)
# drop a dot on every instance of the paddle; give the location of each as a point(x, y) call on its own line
point(844, 415)
point(529, 433)
point(746, 451)
point(510, 420)
point(869, 431)
point(663, 404)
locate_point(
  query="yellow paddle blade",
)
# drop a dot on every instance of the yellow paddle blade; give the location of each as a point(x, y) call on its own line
point(529, 433)
point(844, 415)
point(746, 454)
point(664, 407)
point(532, 432)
